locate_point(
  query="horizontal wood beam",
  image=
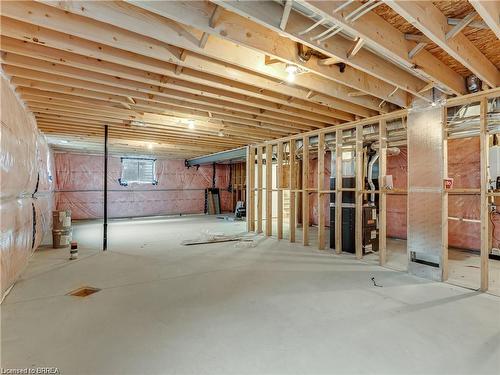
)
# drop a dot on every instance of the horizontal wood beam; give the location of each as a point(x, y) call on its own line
point(121, 116)
point(385, 38)
point(489, 12)
point(373, 68)
point(123, 17)
point(180, 88)
point(426, 17)
point(124, 87)
point(195, 102)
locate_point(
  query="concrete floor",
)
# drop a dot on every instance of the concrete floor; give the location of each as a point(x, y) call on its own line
point(275, 308)
point(464, 267)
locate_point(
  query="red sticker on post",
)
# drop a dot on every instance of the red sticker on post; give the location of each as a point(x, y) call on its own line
point(448, 183)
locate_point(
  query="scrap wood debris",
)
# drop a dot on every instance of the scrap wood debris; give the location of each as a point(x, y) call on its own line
point(208, 238)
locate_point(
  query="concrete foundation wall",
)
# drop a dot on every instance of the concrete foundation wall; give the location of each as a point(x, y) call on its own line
point(180, 190)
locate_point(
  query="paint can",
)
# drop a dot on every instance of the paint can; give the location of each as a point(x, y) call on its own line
point(61, 219)
point(61, 238)
point(73, 252)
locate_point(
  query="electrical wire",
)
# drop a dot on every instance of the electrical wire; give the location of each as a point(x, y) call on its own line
point(493, 225)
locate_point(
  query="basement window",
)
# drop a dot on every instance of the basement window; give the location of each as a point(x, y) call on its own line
point(138, 171)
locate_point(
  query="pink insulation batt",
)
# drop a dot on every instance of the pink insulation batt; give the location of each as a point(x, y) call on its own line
point(180, 190)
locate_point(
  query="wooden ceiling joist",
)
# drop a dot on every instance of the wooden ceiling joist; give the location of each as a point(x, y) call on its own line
point(240, 29)
point(147, 118)
point(190, 90)
point(489, 12)
point(390, 41)
point(127, 134)
point(126, 46)
point(187, 78)
point(460, 25)
point(146, 134)
point(163, 29)
point(178, 88)
point(427, 18)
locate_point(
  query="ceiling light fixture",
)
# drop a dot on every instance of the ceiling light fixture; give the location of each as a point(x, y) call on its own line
point(138, 123)
point(220, 134)
point(190, 124)
point(292, 71)
point(150, 146)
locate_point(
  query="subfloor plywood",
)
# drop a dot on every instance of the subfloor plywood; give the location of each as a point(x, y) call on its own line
point(274, 308)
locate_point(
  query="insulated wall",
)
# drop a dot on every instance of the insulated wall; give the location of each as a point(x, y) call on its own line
point(397, 167)
point(26, 187)
point(180, 190)
point(313, 181)
point(463, 167)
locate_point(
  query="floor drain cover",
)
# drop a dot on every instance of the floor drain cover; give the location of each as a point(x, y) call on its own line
point(83, 291)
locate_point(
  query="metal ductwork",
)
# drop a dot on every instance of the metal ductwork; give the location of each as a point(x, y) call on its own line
point(234, 155)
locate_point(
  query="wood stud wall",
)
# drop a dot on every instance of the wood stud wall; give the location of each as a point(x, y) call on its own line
point(292, 186)
point(484, 146)
point(444, 208)
point(269, 190)
point(238, 183)
point(382, 141)
point(338, 192)
point(321, 188)
point(305, 191)
point(322, 192)
point(259, 188)
point(279, 177)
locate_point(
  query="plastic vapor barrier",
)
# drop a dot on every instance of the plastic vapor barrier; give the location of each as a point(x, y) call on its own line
point(463, 210)
point(180, 190)
point(26, 187)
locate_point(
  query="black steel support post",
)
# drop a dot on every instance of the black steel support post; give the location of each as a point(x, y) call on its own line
point(213, 175)
point(105, 225)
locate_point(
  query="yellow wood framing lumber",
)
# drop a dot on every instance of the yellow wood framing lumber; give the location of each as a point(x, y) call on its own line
point(378, 71)
point(178, 88)
point(338, 191)
point(189, 81)
point(305, 193)
point(426, 17)
point(269, 191)
point(292, 186)
point(321, 196)
point(385, 38)
point(382, 224)
point(139, 40)
point(444, 207)
point(279, 178)
point(489, 12)
point(484, 146)
point(237, 28)
point(359, 195)
point(259, 188)
point(251, 189)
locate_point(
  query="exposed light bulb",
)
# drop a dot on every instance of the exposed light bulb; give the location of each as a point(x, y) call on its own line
point(191, 124)
point(290, 77)
point(291, 69)
point(433, 104)
point(150, 146)
point(220, 134)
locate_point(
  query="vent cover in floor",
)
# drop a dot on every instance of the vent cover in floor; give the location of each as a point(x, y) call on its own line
point(83, 291)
